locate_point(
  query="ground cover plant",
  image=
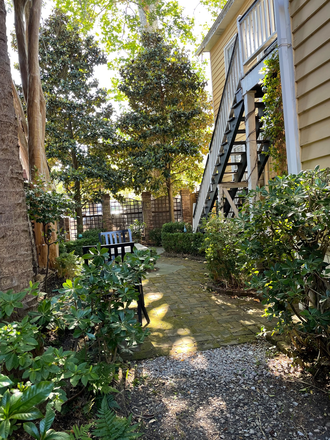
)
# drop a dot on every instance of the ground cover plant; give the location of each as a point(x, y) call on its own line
point(286, 240)
point(93, 314)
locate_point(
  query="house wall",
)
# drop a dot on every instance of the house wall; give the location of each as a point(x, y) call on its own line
point(217, 58)
point(310, 20)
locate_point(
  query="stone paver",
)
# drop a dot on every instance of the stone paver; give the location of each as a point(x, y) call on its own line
point(185, 317)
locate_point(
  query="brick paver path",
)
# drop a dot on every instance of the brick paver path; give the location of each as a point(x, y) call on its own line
point(185, 317)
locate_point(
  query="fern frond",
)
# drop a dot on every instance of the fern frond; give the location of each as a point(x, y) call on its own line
point(80, 433)
point(111, 427)
point(112, 402)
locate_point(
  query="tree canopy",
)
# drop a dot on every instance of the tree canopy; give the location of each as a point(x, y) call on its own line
point(166, 131)
point(79, 130)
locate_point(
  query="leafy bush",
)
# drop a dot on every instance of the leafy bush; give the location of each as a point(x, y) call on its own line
point(94, 310)
point(185, 243)
point(76, 246)
point(68, 265)
point(92, 235)
point(137, 229)
point(155, 236)
point(173, 227)
point(222, 251)
point(287, 237)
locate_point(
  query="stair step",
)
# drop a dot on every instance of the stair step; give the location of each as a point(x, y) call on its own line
point(260, 105)
point(231, 119)
point(241, 131)
point(236, 104)
point(224, 143)
point(239, 143)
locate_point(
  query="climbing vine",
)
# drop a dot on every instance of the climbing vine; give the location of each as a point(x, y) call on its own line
point(273, 119)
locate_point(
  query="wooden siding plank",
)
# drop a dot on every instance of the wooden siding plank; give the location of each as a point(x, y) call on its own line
point(323, 162)
point(314, 98)
point(321, 18)
point(321, 37)
point(313, 80)
point(315, 150)
point(295, 5)
point(306, 13)
point(315, 132)
point(315, 60)
point(314, 115)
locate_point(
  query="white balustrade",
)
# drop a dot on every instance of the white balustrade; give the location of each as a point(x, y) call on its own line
point(257, 29)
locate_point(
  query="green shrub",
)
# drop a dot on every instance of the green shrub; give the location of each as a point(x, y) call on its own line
point(182, 243)
point(92, 235)
point(222, 251)
point(68, 265)
point(137, 229)
point(287, 237)
point(173, 227)
point(155, 236)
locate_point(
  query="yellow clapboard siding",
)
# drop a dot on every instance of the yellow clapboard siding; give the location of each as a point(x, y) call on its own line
point(321, 18)
point(305, 13)
point(314, 98)
point(217, 57)
point(311, 116)
point(316, 132)
point(321, 37)
point(315, 60)
point(316, 150)
point(323, 162)
point(313, 80)
point(295, 5)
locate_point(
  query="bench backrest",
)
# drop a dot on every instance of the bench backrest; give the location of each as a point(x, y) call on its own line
point(116, 237)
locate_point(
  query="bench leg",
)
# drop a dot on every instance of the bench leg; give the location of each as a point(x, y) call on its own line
point(141, 306)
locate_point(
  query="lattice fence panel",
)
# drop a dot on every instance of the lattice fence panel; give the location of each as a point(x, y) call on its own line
point(92, 219)
point(160, 211)
point(124, 213)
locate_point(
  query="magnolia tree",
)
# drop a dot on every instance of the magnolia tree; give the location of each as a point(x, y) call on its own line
point(79, 130)
point(167, 130)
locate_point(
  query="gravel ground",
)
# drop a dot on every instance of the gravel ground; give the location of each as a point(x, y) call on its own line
point(236, 392)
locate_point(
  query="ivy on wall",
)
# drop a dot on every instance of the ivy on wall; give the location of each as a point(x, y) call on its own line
point(273, 119)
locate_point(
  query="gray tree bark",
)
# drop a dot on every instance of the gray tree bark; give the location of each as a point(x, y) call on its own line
point(16, 267)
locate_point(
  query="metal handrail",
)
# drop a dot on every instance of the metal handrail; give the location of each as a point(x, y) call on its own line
point(227, 99)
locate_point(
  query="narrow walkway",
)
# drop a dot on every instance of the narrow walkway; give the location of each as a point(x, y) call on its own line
point(185, 317)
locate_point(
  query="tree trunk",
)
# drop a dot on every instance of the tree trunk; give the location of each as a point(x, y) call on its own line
point(77, 193)
point(16, 268)
point(27, 24)
point(169, 186)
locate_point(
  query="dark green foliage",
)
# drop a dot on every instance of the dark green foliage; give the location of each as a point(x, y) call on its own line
point(89, 238)
point(173, 227)
point(221, 244)
point(166, 130)
point(183, 243)
point(79, 131)
point(77, 245)
point(92, 235)
point(286, 234)
point(155, 236)
point(111, 427)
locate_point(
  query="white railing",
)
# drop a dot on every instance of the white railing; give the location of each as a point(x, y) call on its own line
point(256, 29)
point(228, 95)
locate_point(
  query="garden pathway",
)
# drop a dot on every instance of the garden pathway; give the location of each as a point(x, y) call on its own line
point(186, 317)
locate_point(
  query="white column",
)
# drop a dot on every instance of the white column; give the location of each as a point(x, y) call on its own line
point(251, 139)
point(284, 39)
